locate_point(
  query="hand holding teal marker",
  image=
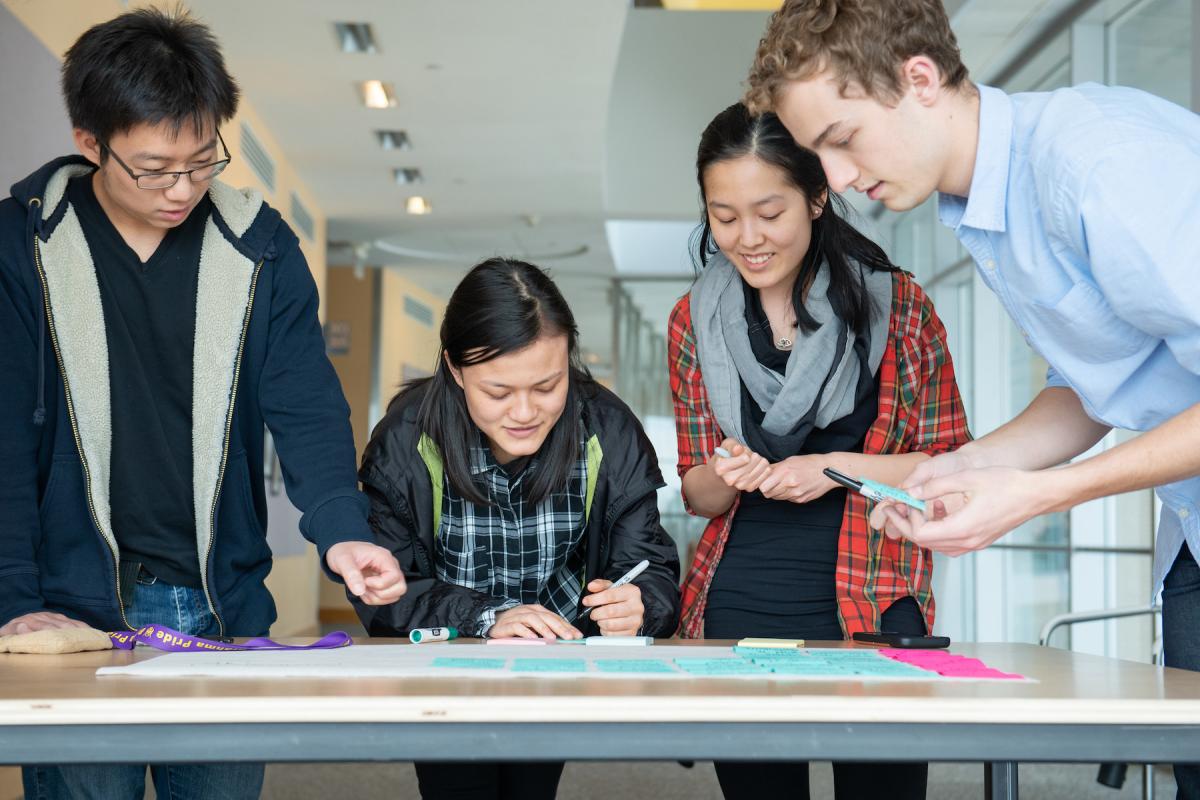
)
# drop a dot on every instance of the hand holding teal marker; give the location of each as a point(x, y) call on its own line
point(875, 490)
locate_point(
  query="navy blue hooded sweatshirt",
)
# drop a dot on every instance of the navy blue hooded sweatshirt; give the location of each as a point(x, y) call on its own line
point(259, 358)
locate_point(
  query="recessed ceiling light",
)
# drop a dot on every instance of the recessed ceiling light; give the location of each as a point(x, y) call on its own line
point(355, 37)
point(394, 140)
point(417, 205)
point(378, 94)
point(407, 175)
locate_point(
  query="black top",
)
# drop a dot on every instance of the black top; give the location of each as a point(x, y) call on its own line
point(841, 436)
point(149, 321)
point(776, 575)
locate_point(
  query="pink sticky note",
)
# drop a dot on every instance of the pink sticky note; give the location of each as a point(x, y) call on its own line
point(950, 665)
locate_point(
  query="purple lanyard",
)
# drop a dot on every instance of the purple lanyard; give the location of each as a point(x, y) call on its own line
point(164, 638)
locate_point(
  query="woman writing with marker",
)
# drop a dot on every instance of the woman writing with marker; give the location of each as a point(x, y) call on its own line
point(514, 490)
point(800, 347)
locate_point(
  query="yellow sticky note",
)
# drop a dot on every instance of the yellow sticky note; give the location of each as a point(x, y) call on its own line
point(781, 643)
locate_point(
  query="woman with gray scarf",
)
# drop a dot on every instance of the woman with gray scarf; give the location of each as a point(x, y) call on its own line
point(800, 347)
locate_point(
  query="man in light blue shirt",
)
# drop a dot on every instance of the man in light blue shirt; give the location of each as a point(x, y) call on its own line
point(1081, 208)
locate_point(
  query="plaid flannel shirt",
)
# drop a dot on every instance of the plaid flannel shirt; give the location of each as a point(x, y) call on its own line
point(920, 410)
point(514, 551)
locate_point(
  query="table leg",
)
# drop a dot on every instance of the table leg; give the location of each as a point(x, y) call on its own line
point(1000, 779)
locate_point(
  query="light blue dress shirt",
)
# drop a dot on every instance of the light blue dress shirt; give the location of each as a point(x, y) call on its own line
point(1084, 218)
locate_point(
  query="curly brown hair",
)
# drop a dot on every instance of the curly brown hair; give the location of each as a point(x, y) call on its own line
point(863, 42)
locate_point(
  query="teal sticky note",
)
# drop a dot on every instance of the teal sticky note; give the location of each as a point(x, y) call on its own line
point(470, 663)
point(632, 665)
point(780, 668)
point(719, 666)
point(770, 652)
point(549, 665)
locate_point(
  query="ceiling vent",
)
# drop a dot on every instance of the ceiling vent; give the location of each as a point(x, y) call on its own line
point(302, 218)
point(418, 311)
point(393, 140)
point(355, 37)
point(407, 175)
point(254, 153)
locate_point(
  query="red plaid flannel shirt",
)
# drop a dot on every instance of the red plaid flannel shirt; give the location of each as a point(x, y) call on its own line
point(920, 410)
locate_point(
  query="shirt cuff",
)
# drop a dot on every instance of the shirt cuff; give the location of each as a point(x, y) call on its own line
point(487, 617)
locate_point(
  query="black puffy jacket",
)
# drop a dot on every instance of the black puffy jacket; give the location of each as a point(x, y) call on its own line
point(398, 473)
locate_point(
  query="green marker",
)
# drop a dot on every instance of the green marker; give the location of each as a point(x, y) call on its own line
point(418, 635)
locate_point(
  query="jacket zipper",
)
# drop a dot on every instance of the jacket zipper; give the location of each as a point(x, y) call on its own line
point(212, 515)
point(87, 475)
point(427, 565)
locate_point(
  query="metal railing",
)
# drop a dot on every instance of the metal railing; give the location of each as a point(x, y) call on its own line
point(1111, 774)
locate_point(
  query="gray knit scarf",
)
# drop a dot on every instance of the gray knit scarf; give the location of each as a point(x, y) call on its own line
point(821, 358)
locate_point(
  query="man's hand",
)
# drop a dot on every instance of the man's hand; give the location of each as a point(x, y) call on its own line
point(744, 470)
point(39, 621)
point(798, 479)
point(619, 611)
point(371, 573)
point(969, 510)
point(532, 622)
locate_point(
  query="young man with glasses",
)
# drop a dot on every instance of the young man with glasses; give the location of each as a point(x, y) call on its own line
point(1080, 208)
point(152, 320)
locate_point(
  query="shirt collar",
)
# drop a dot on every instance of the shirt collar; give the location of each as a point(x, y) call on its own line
point(482, 457)
point(984, 207)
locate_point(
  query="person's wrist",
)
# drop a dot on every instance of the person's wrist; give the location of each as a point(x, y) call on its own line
point(974, 454)
point(1062, 488)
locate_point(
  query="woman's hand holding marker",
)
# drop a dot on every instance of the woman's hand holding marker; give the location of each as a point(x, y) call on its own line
point(741, 469)
point(618, 609)
point(618, 606)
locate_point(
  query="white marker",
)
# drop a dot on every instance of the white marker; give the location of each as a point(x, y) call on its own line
point(624, 579)
point(432, 635)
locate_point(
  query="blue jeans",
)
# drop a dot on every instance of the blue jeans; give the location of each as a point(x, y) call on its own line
point(1181, 642)
point(185, 610)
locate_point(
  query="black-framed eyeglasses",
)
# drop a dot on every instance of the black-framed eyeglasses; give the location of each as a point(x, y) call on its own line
point(165, 180)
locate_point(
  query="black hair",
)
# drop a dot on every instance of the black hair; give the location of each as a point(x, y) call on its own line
point(501, 306)
point(734, 133)
point(147, 66)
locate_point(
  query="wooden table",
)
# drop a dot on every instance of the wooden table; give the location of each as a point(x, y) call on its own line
point(53, 709)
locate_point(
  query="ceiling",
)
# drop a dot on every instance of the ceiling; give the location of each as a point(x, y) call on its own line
point(534, 122)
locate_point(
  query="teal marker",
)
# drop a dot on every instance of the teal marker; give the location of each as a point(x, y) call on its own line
point(875, 490)
point(419, 635)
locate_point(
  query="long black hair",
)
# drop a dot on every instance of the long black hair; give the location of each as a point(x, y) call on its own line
point(735, 133)
point(501, 306)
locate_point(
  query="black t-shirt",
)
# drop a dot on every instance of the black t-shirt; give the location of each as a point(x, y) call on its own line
point(149, 321)
point(843, 435)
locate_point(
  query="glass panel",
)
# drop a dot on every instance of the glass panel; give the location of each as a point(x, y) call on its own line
point(1049, 69)
point(954, 299)
point(1150, 47)
point(1036, 587)
point(1028, 372)
point(954, 596)
point(1111, 580)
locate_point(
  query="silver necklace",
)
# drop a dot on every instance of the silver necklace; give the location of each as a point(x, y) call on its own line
point(783, 343)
